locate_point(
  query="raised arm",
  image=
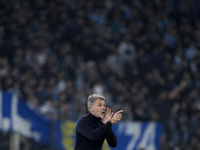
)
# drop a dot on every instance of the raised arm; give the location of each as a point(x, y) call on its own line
point(110, 136)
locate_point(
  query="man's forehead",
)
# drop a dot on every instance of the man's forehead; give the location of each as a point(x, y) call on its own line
point(99, 101)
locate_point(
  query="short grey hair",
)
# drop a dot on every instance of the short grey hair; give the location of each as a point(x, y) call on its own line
point(93, 97)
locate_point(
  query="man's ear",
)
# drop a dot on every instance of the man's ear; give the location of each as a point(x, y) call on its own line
point(90, 108)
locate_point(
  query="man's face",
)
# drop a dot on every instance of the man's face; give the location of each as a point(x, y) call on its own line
point(98, 108)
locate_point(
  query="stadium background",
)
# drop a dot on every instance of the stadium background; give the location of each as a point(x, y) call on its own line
point(141, 55)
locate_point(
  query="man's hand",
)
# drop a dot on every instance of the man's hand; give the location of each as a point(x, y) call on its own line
point(117, 117)
point(107, 116)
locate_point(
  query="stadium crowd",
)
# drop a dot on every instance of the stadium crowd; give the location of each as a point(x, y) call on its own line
point(142, 55)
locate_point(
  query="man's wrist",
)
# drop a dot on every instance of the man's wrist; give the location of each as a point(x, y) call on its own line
point(112, 122)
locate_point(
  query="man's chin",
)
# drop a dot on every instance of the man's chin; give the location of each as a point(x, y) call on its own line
point(102, 116)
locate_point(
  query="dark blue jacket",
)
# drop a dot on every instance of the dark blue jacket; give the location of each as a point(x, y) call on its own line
point(91, 133)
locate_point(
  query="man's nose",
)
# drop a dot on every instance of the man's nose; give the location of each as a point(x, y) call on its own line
point(103, 107)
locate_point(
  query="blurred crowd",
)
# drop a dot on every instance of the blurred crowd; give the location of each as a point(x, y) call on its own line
point(142, 55)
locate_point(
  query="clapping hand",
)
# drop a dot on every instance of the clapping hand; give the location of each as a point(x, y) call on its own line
point(116, 117)
point(107, 116)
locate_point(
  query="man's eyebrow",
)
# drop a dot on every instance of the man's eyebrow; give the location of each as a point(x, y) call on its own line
point(101, 103)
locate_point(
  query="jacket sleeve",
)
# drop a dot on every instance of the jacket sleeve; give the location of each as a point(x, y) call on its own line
point(85, 129)
point(111, 138)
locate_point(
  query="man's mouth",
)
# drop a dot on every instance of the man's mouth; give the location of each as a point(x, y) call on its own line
point(103, 112)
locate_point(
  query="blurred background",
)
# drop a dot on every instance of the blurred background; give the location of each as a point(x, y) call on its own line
point(142, 55)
